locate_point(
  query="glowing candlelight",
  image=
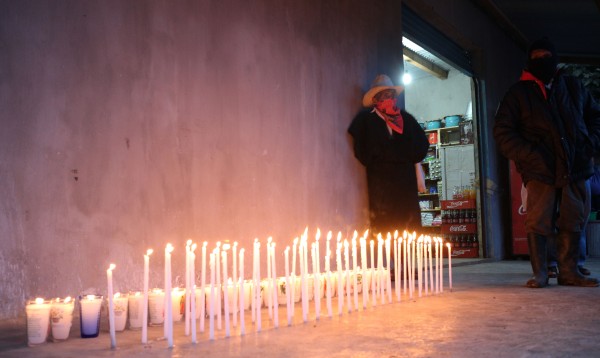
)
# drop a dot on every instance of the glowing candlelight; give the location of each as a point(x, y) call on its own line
point(211, 310)
point(235, 283)
point(269, 277)
point(226, 294)
point(294, 275)
point(257, 296)
point(303, 278)
point(339, 268)
point(242, 294)
point(288, 286)
point(363, 265)
point(388, 275)
point(187, 286)
point(193, 292)
point(355, 270)
point(347, 261)
point(449, 266)
point(145, 302)
point(373, 272)
point(111, 312)
point(38, 318)
point(218, 283)
point(380, 268)
point(275, 288)
point(168, 296)
point(396, 266)
point(203, 287)
point(404, 261)
point(328, 273)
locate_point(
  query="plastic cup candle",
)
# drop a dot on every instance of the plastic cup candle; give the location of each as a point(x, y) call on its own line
point(177, 301)
point(156, 307)
point(120, 311)
point(145, 301)
point(135, 301)
point(38, 318)
point(89, 315)
point(111, 312)
point(61, 318)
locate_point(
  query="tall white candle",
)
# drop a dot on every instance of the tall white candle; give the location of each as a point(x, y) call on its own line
point(275, 288)
point(218, 283)
point(303, 282)
point(363, 265)
point(316, 283)
point(288, 287)
point(355, 270)
point(235, 283)
point(168, 296)
point(328, 292)
point(388, 244)
point(425, 266)
point(441, 265)
point(373, 274)
point(404, 262)
point(396, 267)
point(293, 278)
point(257, 295)
point(269, 276)
point(419, 263)
point(449, 266)
point(340, 291)
point(193, 292)
point(111, 311)
point(225, 286)
point(347, 261)
point(187, 287)
point(211, 310)
point(145, 304)
point(380, 269)
point(430, 252)
point(203, 287)
point(242, 294)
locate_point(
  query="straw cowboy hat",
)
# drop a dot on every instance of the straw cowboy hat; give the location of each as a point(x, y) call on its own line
point(381, 83)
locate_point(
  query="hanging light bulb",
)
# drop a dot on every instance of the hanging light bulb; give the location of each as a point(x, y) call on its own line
point(406, 78)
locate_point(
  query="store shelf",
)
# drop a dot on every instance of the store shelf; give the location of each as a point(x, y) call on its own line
point(431, 210)
point(427, 194)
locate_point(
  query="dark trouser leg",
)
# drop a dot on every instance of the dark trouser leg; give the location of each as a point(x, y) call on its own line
point(537, 256)
point(568, 253)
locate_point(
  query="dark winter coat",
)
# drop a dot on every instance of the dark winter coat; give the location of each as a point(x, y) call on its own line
point(552, 141)
point(390, 162)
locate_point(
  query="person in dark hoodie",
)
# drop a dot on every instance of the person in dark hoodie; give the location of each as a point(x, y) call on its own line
point(389, 142)
point(549, 125)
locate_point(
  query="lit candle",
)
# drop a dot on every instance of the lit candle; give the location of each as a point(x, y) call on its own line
point(404, 261)
point(303, 279)
point(168, 296)
point(449, 266)
point(419, 263)
point(388, 243)
point(430, 252)
point(145, 302)
point(120, 311)
point(257, 295)
point(317, 275)
point(373, 287)
point(193, 292)
point(347, 261)
point(339, 268)
point(293, 279)
point(111, 312)
point(211, 310)
point(396, 266)
point(437, 265)
point(38, 317)
point(226, 294)
point(269, 276)
point(288, 287)
point(363, 265)
point(354, 270)
point(425, 266)
point(274, 289)
point(328, 273)
point(218, 283)
point(187, 287)
point(61, 317)
point(441, 264)
point(242, 294)
point(203, 287)
point(89, 315)
point(316, 283)
point(235, 283)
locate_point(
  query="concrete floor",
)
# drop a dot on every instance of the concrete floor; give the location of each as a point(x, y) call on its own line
point(489, 313)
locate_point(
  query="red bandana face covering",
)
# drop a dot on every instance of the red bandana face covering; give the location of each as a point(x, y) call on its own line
point(392, 115)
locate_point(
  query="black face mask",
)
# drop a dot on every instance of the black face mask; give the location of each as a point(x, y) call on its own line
point(543, 68)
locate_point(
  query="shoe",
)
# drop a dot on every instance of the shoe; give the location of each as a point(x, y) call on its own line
point(568, 270)
point(552, 272)
point(584, 271)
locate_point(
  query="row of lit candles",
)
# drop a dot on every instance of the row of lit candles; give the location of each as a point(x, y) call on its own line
point(411, 254)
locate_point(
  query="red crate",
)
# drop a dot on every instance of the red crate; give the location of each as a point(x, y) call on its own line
point(458, 204)
point(459, 228)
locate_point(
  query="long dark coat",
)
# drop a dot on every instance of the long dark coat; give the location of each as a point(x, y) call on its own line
point(390, 162)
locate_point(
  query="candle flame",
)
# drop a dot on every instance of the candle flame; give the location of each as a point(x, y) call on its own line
point(149, 252)
point(138, 293)
point(218, 244)
point(193, 247)
point(448, 245)
point(339, 236)
point(90, 297)
point(169, 248)
point(269, 239)
point(295, 241)
point(242, 251)
point(205, 243)
point(189, 242)
point(287, 249)
point(318, 234)
point(117, 295)
point(111, 267)
point(68, 299)
point(235, 244)
point(226, 247)
point(355, 235)
point(39, 301)
point(329, 234)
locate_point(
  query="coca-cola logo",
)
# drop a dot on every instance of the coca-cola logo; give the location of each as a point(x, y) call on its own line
point(457, 204)
point(458, 228)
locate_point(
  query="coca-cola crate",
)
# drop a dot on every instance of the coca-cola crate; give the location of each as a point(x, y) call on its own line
point(459, 228)
point(458, 204)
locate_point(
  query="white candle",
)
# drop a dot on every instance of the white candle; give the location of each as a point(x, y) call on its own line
point(257, 295)
point(316, 283)
point(317, 275)
point(38, 318)
point(111, 312)
point(347, 261)
point(136, 307)
point(61, 317)
point(275, 286)
point(363, 265)
point(303, 279)
point(419, 263)
point(187, 287)
point(437, 265)
point(145, 302)
point(269, 283)
point(425, 266)
point(373, 288)
point(328, 273)
point(396, 267)
point(430, 252)
point(242, 294)
point(388, 244)
point(211, 310)
point(441, 265)
point(203, 287)
point(193, 292)
point(218, 283)
point(235, 283)
point(354, 270)
point(226, 294)
point(293, 278)
point(90, 315)
point(339, 269)
point(449, 266)
point(288, 287)
point(120, 311)
point(404, 262)
point(168, 296)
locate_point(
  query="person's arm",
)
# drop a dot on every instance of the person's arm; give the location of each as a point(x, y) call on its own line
point(358, 131)
point(420, 143)
point(591, 112)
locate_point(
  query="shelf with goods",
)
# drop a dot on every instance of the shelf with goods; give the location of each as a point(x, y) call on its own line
point(459, 227)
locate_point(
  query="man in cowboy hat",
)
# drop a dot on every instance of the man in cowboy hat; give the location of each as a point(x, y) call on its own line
point(389, 142)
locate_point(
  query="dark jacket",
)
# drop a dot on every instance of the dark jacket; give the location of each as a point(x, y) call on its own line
point(550, 140)
point(390, 162)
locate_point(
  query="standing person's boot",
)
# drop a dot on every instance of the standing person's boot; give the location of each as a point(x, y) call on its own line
point(537, 256)
point(568, 251)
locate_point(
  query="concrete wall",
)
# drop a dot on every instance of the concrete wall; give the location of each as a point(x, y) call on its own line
point(130, 124)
